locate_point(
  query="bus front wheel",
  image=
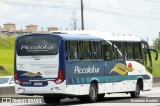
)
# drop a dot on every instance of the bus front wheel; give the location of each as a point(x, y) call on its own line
point(136, 93)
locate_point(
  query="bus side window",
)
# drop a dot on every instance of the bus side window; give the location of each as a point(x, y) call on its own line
point(96, 50)
point(81, 52)
point(137, 50)
point(66, 50)
point(87, 50)
point(125, 50)
point(118, 50)
point(128, 50)
point(107, 50)
point(73, 50)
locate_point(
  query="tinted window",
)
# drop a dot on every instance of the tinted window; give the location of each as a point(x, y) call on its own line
point(37, 45)
point(71, 50)
point(118, 50)
point(87, 50)
point(128, 50)
point(107, 50)
point(81, 52)
point(67, 50)
point(137, 50)
point(96, 50)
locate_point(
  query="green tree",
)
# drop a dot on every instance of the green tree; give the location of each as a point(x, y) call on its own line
point(157, 43)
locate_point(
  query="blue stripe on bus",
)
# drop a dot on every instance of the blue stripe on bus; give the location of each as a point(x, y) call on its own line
point(108, 79)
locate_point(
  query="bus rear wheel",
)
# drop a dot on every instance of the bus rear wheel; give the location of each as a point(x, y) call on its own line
point(51, 100)
point(93, 93)
point(92, 97)
point(136, 93)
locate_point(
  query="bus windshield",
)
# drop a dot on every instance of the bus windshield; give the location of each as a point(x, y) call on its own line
point(37, 45)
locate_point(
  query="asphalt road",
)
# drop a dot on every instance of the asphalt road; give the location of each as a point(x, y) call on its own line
point(148, 98)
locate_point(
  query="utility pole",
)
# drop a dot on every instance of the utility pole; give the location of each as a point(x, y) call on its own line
point(82, 20)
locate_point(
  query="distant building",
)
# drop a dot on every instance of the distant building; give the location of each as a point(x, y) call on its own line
point(10, 29)
point(50, 29)
point(31, 28)
point(9, 26)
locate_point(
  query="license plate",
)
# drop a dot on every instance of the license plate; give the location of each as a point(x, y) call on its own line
point(38, 83)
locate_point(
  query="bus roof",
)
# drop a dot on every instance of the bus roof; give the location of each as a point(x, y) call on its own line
point(79, 37)
point(95, 35)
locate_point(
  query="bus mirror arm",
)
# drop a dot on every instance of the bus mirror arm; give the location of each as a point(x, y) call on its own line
point(155, 53)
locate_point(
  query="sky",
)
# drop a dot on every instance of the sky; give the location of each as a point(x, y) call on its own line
point(137, 17)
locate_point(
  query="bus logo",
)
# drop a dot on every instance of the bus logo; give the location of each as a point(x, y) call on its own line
point(122, 69)
point(39, 47)
point(89, 69)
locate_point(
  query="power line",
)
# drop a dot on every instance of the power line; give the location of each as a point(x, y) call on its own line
point(153, 1)
point(39, 5)
point(124, 15)
point(57, 1)
point(128, 10)
point(104, 6)
point(89, 8)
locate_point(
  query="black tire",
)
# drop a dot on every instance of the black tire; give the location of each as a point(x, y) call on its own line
point(93, 93)
point(51, 100)
point(92, 97)
point(136, 93)
point(101, 96)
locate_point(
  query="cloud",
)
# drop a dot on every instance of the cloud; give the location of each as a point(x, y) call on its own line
point(24, 16)
point(96, 3)
point(121, 16)
point(4, 8)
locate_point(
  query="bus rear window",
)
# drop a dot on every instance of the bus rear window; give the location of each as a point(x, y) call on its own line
point(37, 45)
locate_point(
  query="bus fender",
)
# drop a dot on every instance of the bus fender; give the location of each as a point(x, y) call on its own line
point(140, 79)
point(94, 79)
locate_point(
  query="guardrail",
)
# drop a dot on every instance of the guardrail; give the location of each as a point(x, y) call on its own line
point(7, 90)
point(156, 81)
point(11, 90)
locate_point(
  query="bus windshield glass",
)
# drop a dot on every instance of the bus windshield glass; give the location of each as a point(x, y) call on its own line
point(37, 45)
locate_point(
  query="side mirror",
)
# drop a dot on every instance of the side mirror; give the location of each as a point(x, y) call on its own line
point(155, 54)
